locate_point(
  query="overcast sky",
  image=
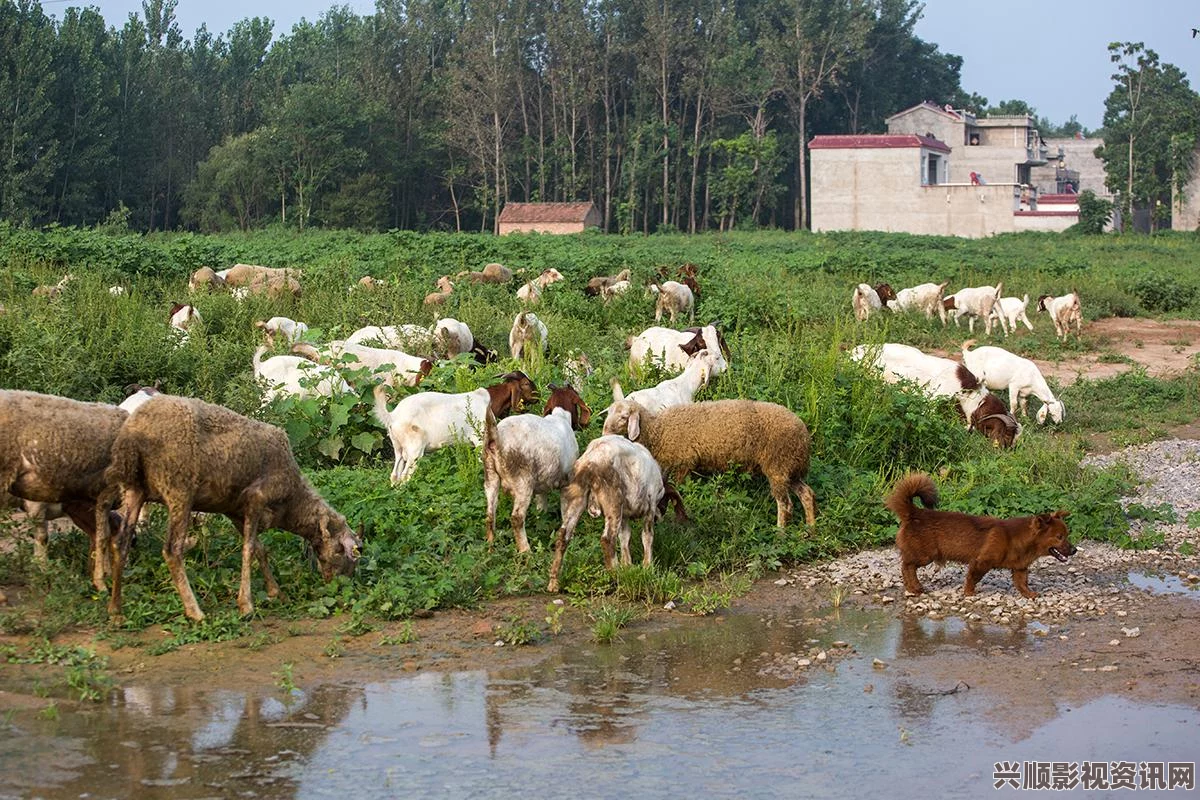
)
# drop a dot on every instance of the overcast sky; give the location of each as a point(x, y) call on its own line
point(1053, 54)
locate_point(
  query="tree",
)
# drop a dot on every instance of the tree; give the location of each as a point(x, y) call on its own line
point(1151, 103)
point(811, 42)
point(28, 149)
point(231, 186)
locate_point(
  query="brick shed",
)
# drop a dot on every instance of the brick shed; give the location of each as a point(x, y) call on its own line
point(548, 217)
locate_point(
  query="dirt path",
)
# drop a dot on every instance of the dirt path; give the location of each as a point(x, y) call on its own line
point(1163, 348)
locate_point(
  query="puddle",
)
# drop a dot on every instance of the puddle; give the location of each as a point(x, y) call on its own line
point(1163, 584)
point(687, 711)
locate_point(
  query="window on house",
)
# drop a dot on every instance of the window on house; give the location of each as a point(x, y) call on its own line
point(931, 175)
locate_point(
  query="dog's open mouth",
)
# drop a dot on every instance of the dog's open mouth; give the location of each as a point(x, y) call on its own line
point(1054, 551)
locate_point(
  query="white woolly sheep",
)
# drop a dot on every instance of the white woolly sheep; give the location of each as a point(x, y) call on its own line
point(1064, 311)
point(926, 297)
point(290, 330)
point(529, 455)
point(1001, 370)
point(716, 435)
point(671, 349)
point(55, 450)
point(866, 299)
point(974, 302)
point(674, 298)
point(429, 421)
point(528, 336)
point(195, 456)
point(1011, 310)
point(621, 480)
point(292, 375)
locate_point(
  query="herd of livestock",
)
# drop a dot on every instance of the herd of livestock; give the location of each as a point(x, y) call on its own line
point(100, 464)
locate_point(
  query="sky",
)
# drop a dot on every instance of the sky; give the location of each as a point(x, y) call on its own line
point(1053, 55)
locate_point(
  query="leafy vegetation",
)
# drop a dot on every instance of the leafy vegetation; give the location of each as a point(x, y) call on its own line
point(783, 300)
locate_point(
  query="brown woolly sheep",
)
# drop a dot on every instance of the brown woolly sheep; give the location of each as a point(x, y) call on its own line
point(445, 289)
point(195, 456)
point(205, 278)
point(715, 435)
point(492, 273)
point(55, 450)
point(250, 274)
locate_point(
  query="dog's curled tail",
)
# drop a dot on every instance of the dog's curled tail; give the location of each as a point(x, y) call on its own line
point(914, 484)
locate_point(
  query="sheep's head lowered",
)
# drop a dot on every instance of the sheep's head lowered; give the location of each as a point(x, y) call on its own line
point(338, 546)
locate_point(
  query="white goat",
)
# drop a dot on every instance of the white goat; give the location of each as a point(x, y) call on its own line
point(621, 480)
point(867, 299)
point(403, 368)
point(453, 337)
point(117, 291)
point(1063, 312)
point(398, 336)
point(531, 293)
point(1011, 310)
point(671, 349)
point(999, 369)
point(937, 377)
point(926, 297)
point(528, 335)
point(974, 302)
point(431, 420)
point(615, 289)
point(674, 298)
point(529, 455)
point(671, 392)
point(288, 375)
point(291, 330)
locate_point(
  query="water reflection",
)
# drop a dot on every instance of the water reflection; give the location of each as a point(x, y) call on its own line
point(692, 710)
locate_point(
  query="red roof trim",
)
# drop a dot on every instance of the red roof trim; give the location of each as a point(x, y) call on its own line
point(876, 141)
point(1045, 213)
point(1059, 199)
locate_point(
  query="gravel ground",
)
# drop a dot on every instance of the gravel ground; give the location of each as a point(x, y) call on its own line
point(1097, 581)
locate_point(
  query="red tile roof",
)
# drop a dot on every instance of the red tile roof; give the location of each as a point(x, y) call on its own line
point(872, 141)
point(545, 212)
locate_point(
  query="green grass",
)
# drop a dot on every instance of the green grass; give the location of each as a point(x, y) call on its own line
point(782, 298)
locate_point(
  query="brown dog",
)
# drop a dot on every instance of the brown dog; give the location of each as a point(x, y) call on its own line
point(982, 543)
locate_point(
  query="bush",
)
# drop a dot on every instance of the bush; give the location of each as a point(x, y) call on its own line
point(1159, 292)
point(1094, 213)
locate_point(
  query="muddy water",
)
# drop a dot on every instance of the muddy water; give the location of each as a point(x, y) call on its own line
point(719, 708)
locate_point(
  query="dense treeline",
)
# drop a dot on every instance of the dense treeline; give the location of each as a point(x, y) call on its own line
point(429, 114)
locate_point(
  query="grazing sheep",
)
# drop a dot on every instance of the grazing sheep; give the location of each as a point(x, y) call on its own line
point(926, 297)
point(195, 456)
point(867, 300)
point(975, 302)
point(596, 286)
point(674, 298)
point(205, 278)
point(252, 274)
point(445, 289)
point(369, 284)
point(714, 436)
point(55, 450)
point(431, 420)
point(275, 287)
point(1001, 370)
point(53, 291)
point(1064, 311)
point(671, 392)
point(402, 368)
point(621, 480)
point(295, 376)
point(527, 336)
point(936, 376)
point(491, 273)
point(1011, 310)
point(527, 456)
point(291, 330)
point(671, 349)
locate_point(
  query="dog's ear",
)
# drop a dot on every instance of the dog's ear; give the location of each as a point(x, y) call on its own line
point(1060, 514)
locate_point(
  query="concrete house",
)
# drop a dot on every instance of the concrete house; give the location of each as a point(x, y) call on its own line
point(548, 218)
point(937, 171)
